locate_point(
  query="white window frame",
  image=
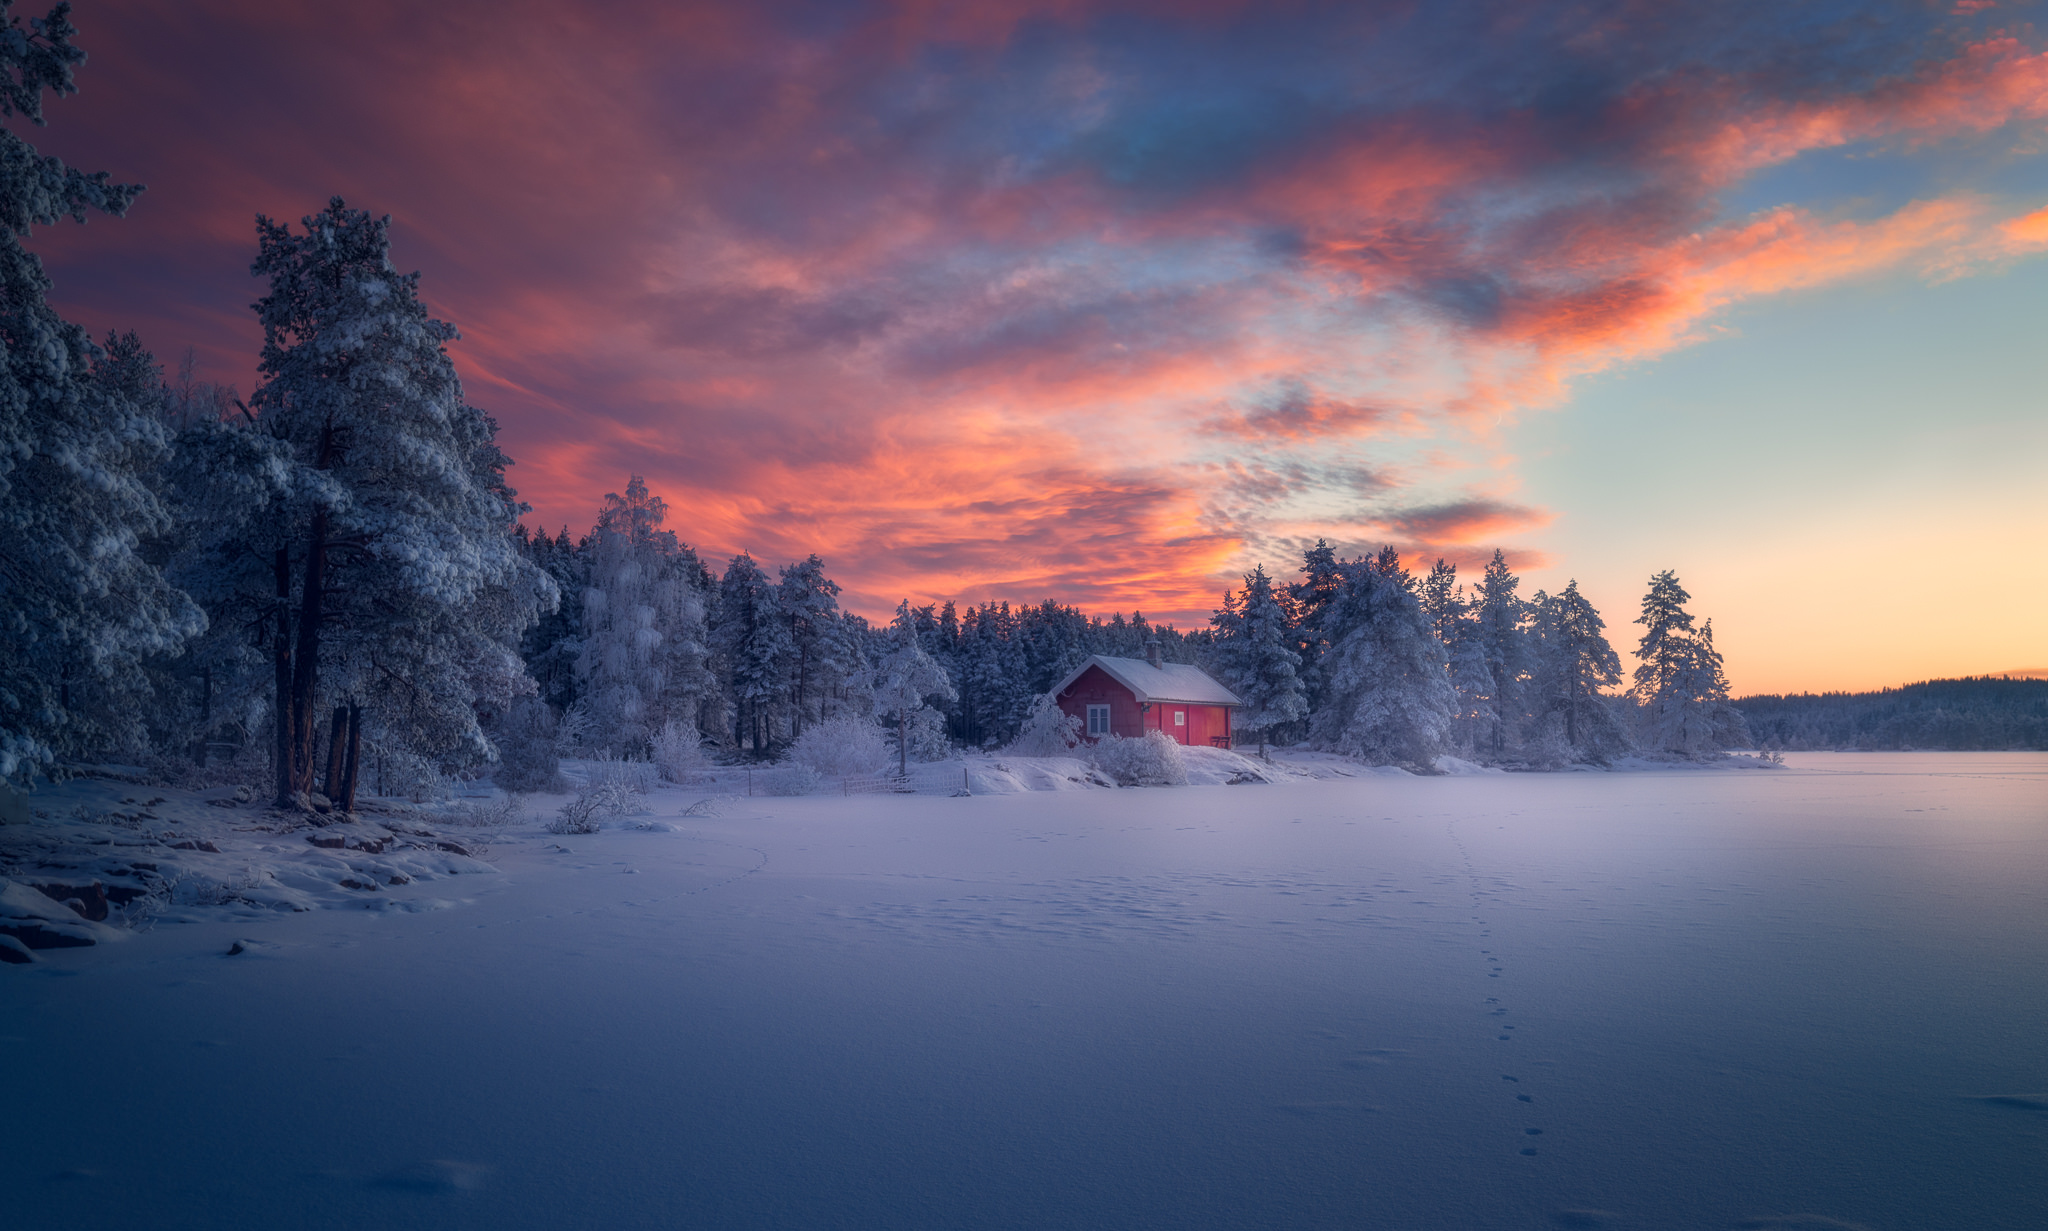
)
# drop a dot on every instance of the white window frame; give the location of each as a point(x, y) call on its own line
point(1180, 718)
point(1098, 721)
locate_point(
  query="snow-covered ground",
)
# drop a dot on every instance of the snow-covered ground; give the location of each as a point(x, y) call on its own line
point(1672, 998)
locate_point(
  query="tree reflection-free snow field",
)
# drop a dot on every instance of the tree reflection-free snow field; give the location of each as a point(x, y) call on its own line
point(1687, 999)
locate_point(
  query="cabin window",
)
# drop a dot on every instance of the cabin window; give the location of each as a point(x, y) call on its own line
point(1180, 718)
point(1098, 720)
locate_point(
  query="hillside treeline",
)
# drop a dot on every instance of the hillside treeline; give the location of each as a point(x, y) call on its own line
point(1978, 713)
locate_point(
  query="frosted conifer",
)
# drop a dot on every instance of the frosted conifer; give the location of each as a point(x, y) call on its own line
point(1386, 699)
point(1573, 668)
point(79, 604)
point(906, 680)
point(1255, 658)
point(396, 589)
point(641, 663)
point(1680, 687)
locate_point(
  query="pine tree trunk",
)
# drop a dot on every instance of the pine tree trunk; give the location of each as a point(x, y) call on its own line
point(281, 717)
point(306, 664)
point(337, 737)
point(902, 744)
point(351, 759)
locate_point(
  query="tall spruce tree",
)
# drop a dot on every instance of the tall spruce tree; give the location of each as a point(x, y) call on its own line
point(642, 659)
point(1386, 698)
point(1503, 647)
point(751, 639)
point(907, 680)
point(1573, 668)
point(1680, 687)
point(397, 585)
point(1255, 657)
point(809, 602)
point(80, 605)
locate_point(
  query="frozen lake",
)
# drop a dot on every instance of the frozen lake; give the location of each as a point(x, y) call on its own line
point(1810, 998)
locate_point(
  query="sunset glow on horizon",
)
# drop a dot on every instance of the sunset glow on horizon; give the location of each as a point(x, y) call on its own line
point(1108, 302)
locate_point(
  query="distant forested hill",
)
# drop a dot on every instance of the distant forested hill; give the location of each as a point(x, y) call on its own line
point(1983, 713)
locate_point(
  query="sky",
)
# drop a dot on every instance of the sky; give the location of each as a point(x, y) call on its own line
point(1108, 302)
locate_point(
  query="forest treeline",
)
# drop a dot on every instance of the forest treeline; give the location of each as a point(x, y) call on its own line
point(329, 583)
point(1976, 713)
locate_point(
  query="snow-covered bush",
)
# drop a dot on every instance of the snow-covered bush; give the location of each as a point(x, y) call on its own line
point(607, 796)
point(679, 754)
point(1151, 760)
point(630, 777)
point(528, 759)
point(487, 813)
point(579, 815)
point(1048, 732)
point(839, 747)
point(790, 780)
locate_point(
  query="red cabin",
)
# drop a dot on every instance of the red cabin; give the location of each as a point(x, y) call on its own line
point(1129, 696)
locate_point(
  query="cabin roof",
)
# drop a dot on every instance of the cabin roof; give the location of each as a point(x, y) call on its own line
point(1180, 682)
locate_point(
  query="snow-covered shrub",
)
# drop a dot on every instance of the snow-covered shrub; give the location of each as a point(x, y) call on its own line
point(579, 815)
point(528, 758)
point(1151, 760)
point(487, 813)
point(631, 777)
point(679, 754)
point(790, 780)
point(839, 747)
point(613, 784)
point(1048, 732)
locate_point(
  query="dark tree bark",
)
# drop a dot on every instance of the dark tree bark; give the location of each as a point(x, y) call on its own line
point(351, 758)
point(337, 737)
point(281, 653)
point(306, 659)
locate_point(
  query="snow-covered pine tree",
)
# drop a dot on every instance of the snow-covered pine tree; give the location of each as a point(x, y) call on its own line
point(78, 601)
point(1680, 687)
point(1502, 639)
point(751, 640)
point(1255, 658)
point(398, 588)
point(1443, 600)
point(809, 602)
point(1386, 699)
point(906, 681)
point(553, 644)
point(642, 660)
point(1322, 580)
point(1573, 668)
point(1450, 616)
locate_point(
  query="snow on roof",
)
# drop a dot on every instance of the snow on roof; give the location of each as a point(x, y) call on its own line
point(1169, 682)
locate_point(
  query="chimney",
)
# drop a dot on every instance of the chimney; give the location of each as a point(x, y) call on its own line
point(1152, 651)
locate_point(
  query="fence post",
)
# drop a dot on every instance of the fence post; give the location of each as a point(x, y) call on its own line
point(964, 784)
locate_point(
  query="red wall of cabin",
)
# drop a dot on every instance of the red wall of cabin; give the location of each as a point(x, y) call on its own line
point(1128, 719)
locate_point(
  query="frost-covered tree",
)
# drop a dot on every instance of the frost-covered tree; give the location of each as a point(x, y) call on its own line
point(1680, 687)
point(641, 663)
point(555, 641)
point(1573, 668)
point(751, 640)
point(80, 606)
point(809, 601)
point(1502, 640)
point(398, 589)
point(1255, 657)
point(907, 680)
point(1386, 699)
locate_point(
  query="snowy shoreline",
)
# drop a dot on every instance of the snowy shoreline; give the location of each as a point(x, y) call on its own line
point(105, 855)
